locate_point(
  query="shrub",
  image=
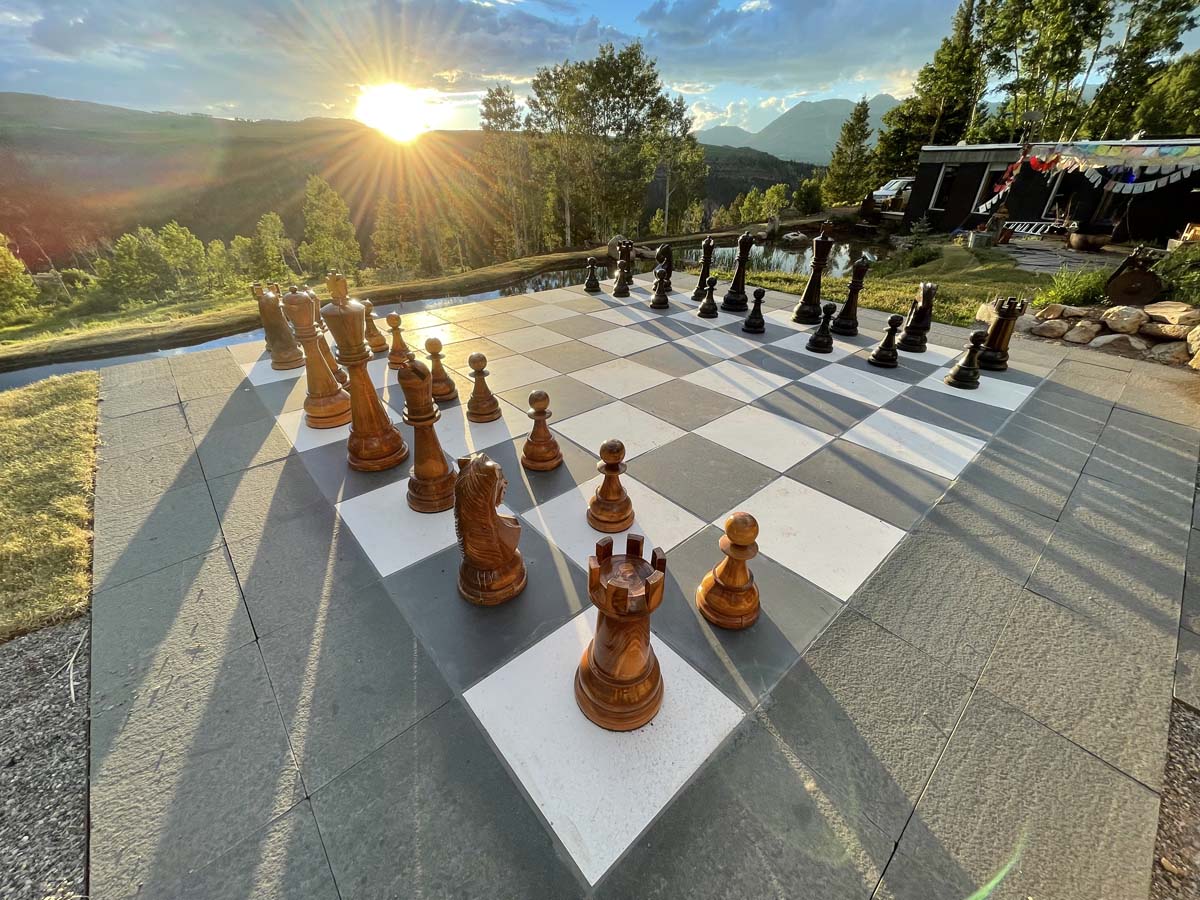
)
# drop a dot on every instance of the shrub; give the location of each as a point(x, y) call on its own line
point(1082, 287)
point(1180, 269)
point(916, 255)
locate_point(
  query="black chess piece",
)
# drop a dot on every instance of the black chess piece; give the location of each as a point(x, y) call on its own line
point(665, 257)
point(708, 309)
point(821, 340)
point(659, 299)
point(965, 373)
point(706, 255)
point(622, 286)
point(885, 355)
point(735, 298)
point(995, 349)
point(846, 323)
point(755, 323)
point(920, 317)
point(592, 284)
point(808, 309)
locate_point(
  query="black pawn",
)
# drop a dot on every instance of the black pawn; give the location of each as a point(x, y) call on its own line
point(659, 298)
point(822, 339)
point(592, 284)
point(755, 324)
point(708, 306)
point(965, 373)
point(885, 355)
point(622, 287)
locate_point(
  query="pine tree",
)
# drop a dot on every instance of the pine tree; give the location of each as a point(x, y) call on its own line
point(268, 250)
point(850, 174)
point(393, 241)
point(329, 240)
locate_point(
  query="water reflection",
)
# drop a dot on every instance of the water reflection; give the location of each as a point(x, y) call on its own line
point(774, 258)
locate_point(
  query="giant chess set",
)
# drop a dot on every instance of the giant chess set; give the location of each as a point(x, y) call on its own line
point(615, 515)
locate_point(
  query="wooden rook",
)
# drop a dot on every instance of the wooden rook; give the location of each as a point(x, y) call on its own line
point(755, 323)
point(821, 340)
point(444, 388)
point(735, 299)
point(492, 569)
point(326, 404)
point(808, 310)
point(399, 352)
point(482, 406)
point(728, 596)
point(884, 355)
point(920, 318)
point(431, 480)
point(706, 255)
point(375, 338)
point(708, 309)
point(541, 452)
point(618, 684)
point(994, 356)
point(610, 509)
point(282, 344)
point(621, 288)
point(660, 298)
point(964, 374)
point(665, 257)
point(846, 323)
point(375, 443)
point(592, 284)
point(340, 374)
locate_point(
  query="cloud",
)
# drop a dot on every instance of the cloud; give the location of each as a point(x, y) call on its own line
point(690, 87)
point(755, 6)
point(708, 115)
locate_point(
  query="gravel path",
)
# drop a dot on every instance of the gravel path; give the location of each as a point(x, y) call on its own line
point(1177, 850)
point(44, 764)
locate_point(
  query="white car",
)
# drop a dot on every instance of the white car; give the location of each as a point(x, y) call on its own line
point(897, 188)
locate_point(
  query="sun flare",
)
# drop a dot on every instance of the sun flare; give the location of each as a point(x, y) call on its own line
point(399, 111)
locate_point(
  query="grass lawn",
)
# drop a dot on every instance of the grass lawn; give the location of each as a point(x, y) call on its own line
point(47, 463)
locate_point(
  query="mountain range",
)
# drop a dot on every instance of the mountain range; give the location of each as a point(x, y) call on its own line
point(805, 133)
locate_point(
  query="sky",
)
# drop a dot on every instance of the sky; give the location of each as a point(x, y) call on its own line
point(736, 62)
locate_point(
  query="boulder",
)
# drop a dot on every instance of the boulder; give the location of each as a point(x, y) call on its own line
point(1051, 311)
point(1125, 319)
point(1195, 363)
point(1075, 312)
point(1051, 328)
point(1026, 323)
point(1165, 332)
point(1083, 332)
point(1122, 343)
point(1174, 352)
point(1193, 340)
point(1172, 312)
point(986, 314)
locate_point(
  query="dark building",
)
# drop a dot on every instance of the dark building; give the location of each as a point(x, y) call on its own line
point(1137, 190)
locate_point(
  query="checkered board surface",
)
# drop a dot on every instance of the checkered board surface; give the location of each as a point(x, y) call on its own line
point(835, 458)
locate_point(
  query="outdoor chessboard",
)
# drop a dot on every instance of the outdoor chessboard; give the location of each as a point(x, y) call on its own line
point(836, 459)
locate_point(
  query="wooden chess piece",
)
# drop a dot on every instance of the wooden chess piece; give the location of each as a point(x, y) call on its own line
point(884, 355)
point(541, 452)
point(965, 373)
point(706, 255)
point(492, 569)
point(728, 596)
point(821, 340)
point(326, 404)
point(660, 299)
point(808, 310)
point(621, 288)
point(618, 684)
point(920, 318)
point(375, 443)
point(610, 509)
point(592, 284)
point(431, 480)
point(735, 299)
point(665, 257)
point(340, 375)
point(708, 309)
point(375, 338)
point(482, 405)
point(994, 355)
point(755, 323)
point(399, 352)
point(444, 388)
point(282, 344)
point(846, 323)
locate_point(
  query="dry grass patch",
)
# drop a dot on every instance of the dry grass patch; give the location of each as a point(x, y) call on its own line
point(47, 465)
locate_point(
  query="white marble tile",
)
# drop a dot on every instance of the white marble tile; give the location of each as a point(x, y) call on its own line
point(260, 372)
point(623, 341)
point(716, 342)
point(540, 315)
point(513, 371)
point(638, 430)
point(305, 438)
point(784, 317)
point(930, 447)
point(722, 318)
point(992, 391)
point(934, 355)
point(459, 436)
point(624, 315)
point(865, 387)
point(765, 437)
point(798, 343)
point(736, 380)
point(535, 337)
point(620, 377)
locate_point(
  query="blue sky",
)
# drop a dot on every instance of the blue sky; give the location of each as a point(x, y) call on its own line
point(738, 62)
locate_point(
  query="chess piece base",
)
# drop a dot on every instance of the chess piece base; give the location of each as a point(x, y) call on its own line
point(285, 363)
point(754, 327)
point(733, 610)
point(443, 395)
point(592, 288)
point(376, 455)
point(328, 415)
point(489, 413)
point(911, 345)
point(378, 345)
point(807, 314)
point(492, 587)
point(965, 385)
point(659, 301)
point(845, 329)
point(617, 705)
point(819, 346)
point(883, 362)
point(534, 464)
point(613, 521)
point(735, 303)
point(431, 495)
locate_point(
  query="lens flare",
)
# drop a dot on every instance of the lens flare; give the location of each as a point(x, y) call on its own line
point(400, 112)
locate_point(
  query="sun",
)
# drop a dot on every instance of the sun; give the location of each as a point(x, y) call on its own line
point(398, 111)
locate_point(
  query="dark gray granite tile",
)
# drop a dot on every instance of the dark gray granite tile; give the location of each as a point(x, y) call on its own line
point(467, 641)
point(144, 474)
point(1163, 392)
point(393, 825)
point(783, 363)
point(1086, 683)
point(674, 360)
point(227, 410)
point(958, 414)
point(579, 326)
point(589, 303)
point(1187, 669)
point(822, 410)
point(225, 377)
point(283, 396)
point(1083, 379)
point(570, 356)
point(337, 481)
point(1096, 358)
point(1063, 414)
point(910, 370)
point(771, 332)
point(261, 499)
point(457, 356)
point(1143, 516)
point(702, 477)
point(141, 431)
point(855, 474)
point(568, 396)
point(136, 397)
point(1010, 798)
point(526, 488)
point(1037, 474)
point(1146, 453)
point(1191, 591)
point(871, 714)
point(227, 450)
point(668, 329)
point(113, 377)
point(745, 664)
point(350, 681)
point(683, 404)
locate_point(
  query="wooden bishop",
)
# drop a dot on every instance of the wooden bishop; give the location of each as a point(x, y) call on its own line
point(541, 452)
point(610, 509)
point(728, 596)
point(326, 405)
